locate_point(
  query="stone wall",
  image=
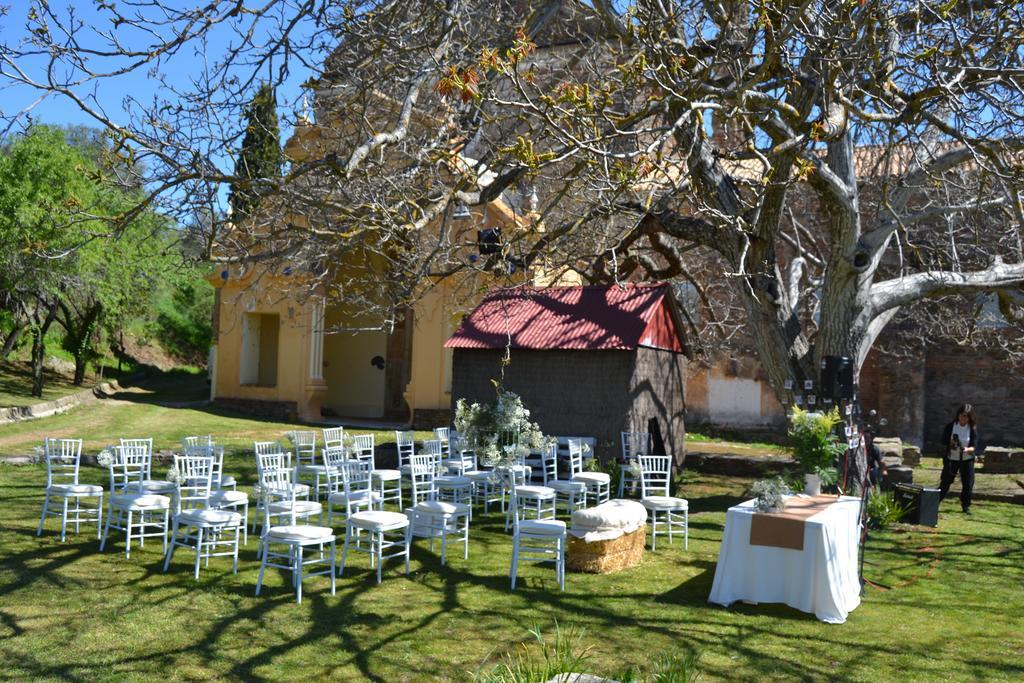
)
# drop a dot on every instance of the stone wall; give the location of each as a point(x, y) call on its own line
point(286, 411)
point(583, 393)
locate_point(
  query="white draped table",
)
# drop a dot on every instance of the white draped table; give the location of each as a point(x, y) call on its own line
point(820, 579)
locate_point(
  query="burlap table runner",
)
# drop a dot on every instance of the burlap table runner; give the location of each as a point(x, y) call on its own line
point(785, 529)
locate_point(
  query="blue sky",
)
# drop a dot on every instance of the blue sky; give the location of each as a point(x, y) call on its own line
point(113, 94)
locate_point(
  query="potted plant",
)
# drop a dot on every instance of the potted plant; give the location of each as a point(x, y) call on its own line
point(816, 447)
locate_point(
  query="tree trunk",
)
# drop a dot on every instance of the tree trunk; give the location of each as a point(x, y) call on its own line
point(39, 350)
point(80, 366)
point(12, 339)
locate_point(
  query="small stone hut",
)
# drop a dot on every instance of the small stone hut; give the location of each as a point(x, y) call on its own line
point(587, 361)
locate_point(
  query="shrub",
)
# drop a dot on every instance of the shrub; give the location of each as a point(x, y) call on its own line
point(883, 509)
point(815, 446)
point(563, 654)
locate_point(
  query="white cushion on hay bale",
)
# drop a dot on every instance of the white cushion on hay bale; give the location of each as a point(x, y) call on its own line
point(607, 537)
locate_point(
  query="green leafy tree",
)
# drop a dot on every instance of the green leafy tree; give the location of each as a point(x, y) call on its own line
point(47, 195)
point(259, 159)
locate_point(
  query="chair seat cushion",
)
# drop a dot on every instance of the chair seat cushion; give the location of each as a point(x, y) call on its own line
point(301, 507)
point(664, 503)
point(300, 533)
point(593, 478)
point(153, 486)
point(341, 498)
point(542, 527)
point(226, 480)
point(140, 501)
point(481, 476)
point(452, 482)
point(210, 518)
point(531, 491)
point(440, 507)
point(567, 486)
point(228, 498)
point(386, 475)
point(313, 469)
point(76, 489)
point(378, 520)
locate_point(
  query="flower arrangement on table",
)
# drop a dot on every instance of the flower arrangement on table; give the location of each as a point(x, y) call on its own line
point(501, 433)
point(770, 494)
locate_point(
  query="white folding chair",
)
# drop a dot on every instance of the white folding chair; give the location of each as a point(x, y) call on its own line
point(272, 453)
point(298, 539)
point(569, 493)
point(429, 516)
point(634, 444)
point(654, 490)
point(304, 443)
point(283, 493)
point(598, 484)
point(133, 510)
point(387, 531)
point(204, 445)
point(203, 529)
point(148, 483)
point(441, 434)
point(537, 540)
point(63, 458)
point(351, 486)
point(387, 482)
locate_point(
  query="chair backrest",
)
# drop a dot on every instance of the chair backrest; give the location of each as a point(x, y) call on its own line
point(264, 448)
point(460, 450)
point(549, 462)
point(575, 457)
point(422, 470)
point(406, 444)
point(146, 444)
point(363, 448)
point(194, 481)
point(334, 436)
point(432, 447)
point(355, 475)
point(442, 435)
point(656, 474)
point(334, 458)
point(196, 444)
point(634, 444)
point(276, 474)
point(128, 465)
point(63, 457)
point(304, 443)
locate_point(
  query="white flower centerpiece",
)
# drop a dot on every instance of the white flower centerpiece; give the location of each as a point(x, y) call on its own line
point(501, 433)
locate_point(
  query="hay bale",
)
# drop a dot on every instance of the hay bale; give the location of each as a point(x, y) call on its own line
point(605, 557)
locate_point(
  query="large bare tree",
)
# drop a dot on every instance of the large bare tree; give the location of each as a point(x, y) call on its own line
point(810, 168)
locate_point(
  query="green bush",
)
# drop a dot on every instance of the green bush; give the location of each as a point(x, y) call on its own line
point(883, 509)
point(816, 447)
point(182, 325)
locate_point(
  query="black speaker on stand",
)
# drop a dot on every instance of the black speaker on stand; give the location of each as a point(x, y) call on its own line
point(837, 378)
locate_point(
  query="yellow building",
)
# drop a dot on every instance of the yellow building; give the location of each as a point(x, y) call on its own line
point(271, 355)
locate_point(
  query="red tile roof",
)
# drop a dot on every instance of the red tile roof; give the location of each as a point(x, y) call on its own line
point(593, 318)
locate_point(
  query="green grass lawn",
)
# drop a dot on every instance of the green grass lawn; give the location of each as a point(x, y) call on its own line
point(159, 408)
point(66, 611)
point(950, 608)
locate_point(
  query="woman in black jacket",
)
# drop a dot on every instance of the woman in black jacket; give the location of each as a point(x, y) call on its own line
point(961, 442)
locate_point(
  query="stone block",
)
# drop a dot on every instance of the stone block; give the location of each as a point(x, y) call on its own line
point(890, 446)
point(911, 455)
point(999, 460)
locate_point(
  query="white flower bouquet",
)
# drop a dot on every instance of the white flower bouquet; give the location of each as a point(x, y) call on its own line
point(501, 433)
point(105, 458)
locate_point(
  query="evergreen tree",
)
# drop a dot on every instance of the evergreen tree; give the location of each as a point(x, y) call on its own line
point(260, 155)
